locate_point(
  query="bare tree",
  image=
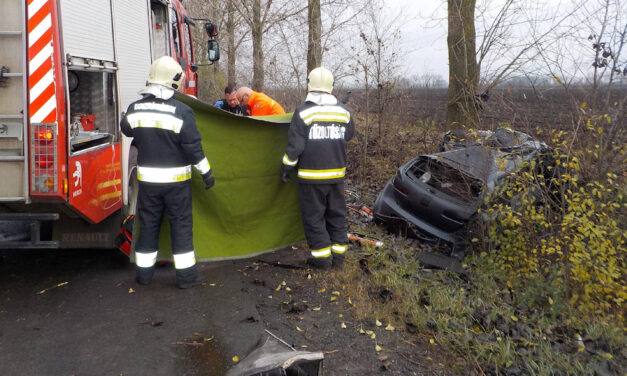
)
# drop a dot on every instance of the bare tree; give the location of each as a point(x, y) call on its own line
point(314, 50)
point(461, 109)
point(261, 16)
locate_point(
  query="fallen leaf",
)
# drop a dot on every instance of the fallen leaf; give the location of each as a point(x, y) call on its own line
point(340, 315)
point(288, 289)
point(333, 298)
point(373, 336)
point(317, 308)
point(130, 290)
point(378, 348)
point(361, 330)
point(378, 323)
point(299, 329)
point(431, 341)
point(343, 326)
point(390, 328)
point(336, 293)
point(236, 358)
point(321, 291)
point(514, 318)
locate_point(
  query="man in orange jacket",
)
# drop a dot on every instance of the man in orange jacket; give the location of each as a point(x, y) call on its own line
point(259, 104)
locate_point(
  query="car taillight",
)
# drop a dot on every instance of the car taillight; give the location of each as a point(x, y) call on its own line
point(44, 163)
point(398, 183)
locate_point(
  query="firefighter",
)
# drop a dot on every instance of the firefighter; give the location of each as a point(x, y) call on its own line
point(168, 145)
point(259, 104)
point(317, 138)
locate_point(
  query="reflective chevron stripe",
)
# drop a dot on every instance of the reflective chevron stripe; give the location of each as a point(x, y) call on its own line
point(41, 86)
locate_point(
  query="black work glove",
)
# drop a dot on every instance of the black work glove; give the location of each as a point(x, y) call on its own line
point(209, 180)
point(285, 173)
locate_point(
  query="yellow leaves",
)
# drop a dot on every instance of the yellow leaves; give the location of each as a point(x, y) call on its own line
point(298, 329)
point(342, 325)
point(280, 285)
point(235, 359)
point(390, 328)
point(431, 341)
point(377, 323)
point(130, 290)
point(53, 287)
point(557, 79)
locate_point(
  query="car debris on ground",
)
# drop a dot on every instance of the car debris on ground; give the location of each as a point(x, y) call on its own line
point(274, 357)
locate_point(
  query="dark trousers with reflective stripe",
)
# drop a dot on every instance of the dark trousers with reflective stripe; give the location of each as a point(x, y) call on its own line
point(175, 199)
point(323, 210)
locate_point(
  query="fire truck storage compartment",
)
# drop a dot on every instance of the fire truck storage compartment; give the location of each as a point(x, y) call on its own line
point(92, 105)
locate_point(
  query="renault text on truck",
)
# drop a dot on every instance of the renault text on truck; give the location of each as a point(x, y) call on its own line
point(68, 68)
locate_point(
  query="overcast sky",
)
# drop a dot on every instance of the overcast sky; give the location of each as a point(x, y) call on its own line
point(424, 33)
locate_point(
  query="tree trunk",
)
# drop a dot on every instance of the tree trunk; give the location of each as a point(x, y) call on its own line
point(314, 50)
point(257, 34)
point(461, 108)
point(230, 52)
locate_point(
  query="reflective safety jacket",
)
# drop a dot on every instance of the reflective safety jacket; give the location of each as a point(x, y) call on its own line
point(317, 138)
point(259, 104)
point(167, 140)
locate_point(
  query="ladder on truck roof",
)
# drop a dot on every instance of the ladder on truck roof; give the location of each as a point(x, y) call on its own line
point(13, 106)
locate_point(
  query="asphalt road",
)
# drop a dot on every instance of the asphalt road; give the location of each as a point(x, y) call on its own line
point(81, 313)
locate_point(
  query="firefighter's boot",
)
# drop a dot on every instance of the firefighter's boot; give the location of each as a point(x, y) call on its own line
point(320, 262)
point(189, 277)
point(339, 254)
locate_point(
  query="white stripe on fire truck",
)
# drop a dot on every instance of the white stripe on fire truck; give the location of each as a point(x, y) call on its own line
point(41, 57)
point(35, 5)
point(39, 30)
point(39, 87)
point(44, 111)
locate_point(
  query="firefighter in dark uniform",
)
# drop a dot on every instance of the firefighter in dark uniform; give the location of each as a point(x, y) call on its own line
point(317, 138)
point(168, 145)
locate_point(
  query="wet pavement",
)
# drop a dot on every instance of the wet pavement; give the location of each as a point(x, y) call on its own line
point(81, 313)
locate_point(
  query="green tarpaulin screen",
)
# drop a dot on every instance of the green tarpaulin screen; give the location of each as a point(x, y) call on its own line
point(249, 210)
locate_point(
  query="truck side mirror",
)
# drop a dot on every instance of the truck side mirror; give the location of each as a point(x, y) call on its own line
point(213, 50)
point(211, 29)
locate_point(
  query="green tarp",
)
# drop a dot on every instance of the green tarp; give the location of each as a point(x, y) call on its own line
point(249, 210)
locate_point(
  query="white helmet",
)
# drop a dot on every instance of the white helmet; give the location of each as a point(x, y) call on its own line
point(167, 72)
point(320, 79)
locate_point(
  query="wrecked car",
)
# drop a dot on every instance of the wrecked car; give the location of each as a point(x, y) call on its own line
point(434, 196)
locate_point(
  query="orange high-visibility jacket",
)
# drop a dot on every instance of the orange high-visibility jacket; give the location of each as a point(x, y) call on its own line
point(260, 104)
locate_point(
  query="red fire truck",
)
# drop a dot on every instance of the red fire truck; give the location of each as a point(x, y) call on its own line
point(68, 68)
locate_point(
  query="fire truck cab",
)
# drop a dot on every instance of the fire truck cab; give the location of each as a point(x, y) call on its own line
point(68, 70)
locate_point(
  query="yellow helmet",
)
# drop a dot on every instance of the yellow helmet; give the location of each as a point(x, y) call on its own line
point(167, 72)
point(320, 79)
